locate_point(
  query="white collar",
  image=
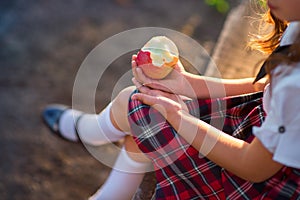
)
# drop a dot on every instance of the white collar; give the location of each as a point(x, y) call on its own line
point(290, 33)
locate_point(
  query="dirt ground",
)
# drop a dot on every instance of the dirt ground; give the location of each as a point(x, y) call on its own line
point(43, 43)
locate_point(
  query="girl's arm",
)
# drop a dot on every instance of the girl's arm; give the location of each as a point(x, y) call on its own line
point(209, 87)
point(194, 86)
point(252, 161)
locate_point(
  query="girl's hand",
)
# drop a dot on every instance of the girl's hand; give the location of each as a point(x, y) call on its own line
point(175, 82)
point(171, 106)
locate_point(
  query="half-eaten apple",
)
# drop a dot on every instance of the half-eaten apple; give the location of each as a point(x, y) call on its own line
point(157, 57)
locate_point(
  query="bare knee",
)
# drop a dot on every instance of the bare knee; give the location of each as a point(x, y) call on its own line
point(123, 96)
point(119, 109)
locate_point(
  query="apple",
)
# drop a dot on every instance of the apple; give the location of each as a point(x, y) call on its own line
point(158, 57)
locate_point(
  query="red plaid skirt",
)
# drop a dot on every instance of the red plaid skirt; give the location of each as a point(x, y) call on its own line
point(182, 173)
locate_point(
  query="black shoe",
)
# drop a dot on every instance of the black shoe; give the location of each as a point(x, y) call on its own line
point(51, 116)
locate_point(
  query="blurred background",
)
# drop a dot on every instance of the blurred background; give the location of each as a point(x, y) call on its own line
point(43, 43)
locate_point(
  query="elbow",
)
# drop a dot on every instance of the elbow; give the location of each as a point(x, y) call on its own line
point(253, 176)
point(257, 179)
point(258, 176)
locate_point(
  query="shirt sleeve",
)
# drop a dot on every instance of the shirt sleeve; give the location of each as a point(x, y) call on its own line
point(280, 132)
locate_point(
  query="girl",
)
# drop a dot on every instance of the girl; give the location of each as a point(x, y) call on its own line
point(255, 155)
point(236, 162)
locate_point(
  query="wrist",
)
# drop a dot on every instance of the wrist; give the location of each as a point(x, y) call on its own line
point(188, 89)
point(177, 118)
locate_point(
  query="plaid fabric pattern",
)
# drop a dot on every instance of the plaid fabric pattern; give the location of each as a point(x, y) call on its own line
point(182, 173)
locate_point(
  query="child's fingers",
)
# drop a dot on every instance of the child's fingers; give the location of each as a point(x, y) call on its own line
point(145, 89)
point(133, 57)
point(134, 67)
point(146, 99)
point(139, 86)
point(139, 75)
point(136, 71)
point(136, 83)
point(133, 62)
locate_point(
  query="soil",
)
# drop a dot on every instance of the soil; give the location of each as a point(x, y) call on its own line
point(43, 43)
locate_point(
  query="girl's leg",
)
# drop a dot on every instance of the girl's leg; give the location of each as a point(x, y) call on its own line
point(108, 126)
point(112, 125)
point(94, 129)
point(126, 175)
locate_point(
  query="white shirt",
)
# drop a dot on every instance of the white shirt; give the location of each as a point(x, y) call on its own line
point(280, 132)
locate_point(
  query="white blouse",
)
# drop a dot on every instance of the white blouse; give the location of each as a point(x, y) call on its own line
point(280, 132)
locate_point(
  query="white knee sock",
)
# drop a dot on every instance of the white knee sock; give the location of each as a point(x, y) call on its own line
point(98, 129)
point(67, 124)
point(124, 179)
point(93, 129)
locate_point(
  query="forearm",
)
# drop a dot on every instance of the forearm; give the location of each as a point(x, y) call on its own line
point(209, 87)
point(251, 161)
